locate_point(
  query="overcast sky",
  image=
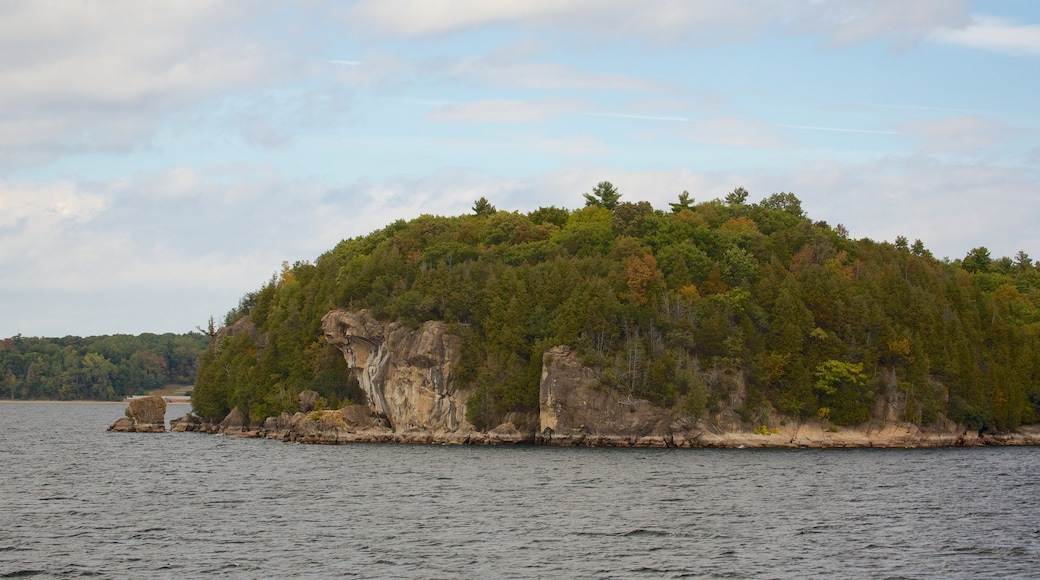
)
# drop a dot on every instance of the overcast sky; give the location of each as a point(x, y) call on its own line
point(160, 159)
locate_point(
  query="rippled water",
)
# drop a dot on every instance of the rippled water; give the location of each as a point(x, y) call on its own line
point(77, 501)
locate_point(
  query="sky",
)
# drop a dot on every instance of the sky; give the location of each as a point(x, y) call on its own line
point(158, 160)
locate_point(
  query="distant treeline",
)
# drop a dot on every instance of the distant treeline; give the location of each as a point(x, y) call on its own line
point(674, 305)
point(101, 368)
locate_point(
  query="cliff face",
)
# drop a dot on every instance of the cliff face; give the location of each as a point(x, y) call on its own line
point(406, 374)
point(575, 410)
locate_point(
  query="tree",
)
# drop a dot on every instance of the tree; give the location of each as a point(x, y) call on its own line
point(977, 260)
point(844, 391)
point(211, 328)
point(1022, 260)
point(483, 208)
point(685, 202)
point(737, 197)
point(603, 195)
point(919, 250)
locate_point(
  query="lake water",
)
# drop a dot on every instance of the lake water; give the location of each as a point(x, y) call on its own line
point(77, 501)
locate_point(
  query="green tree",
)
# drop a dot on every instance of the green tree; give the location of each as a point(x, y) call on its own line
point(977, 260)
point(737, 197)
point(685, 202)
point(483, 208)
point(844, 391)
point(604, 195)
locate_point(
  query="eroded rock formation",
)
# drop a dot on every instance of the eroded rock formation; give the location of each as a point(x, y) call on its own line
point(143, 415)
point(407, 374)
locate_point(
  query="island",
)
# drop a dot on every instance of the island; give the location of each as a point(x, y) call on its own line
point(720, 323)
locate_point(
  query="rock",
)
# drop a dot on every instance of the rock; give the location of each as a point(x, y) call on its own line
point(123, 425)
point(407, 375)
point(575, 410)
point(189, 422)
point(237, 423)
point(144, 415)
point(148, 410)
point(308, 400)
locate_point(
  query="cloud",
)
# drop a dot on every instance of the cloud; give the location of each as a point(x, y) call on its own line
point(732, 131)
point(838, 129)
point(670, 21)
point(904, 23)
point(98, 75)
point(164, 250)
point(505, 111)
point(995, 34)
point(951, 206)
point(962, 134)
point(504, 72)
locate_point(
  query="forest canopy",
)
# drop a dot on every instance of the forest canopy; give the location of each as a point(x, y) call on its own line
point(668, 303)
point(100, 368)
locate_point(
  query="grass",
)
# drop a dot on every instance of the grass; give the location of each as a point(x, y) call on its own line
point(172, 390)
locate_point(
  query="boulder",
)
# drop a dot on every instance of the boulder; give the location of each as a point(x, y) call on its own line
point(148, 410)
point(189, 422)
point(236, 419)
point(144, 415)
point(309, 400)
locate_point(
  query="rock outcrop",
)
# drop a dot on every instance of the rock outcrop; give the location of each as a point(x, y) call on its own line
point(407, 374)
point(575, 410)
point(143, 415)
point(189, 422)
point(309, 400)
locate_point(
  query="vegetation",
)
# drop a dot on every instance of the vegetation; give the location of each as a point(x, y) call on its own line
point(672, 305)
point(102, 368)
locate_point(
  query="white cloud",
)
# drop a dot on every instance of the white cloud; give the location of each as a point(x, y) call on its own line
point(505, 111)
point(666, 21)
point(952, 207)
point(733, 131)
point(962, 134)
point(162, 251)
point(996, 34)
point(97, 75)
point(507, 72)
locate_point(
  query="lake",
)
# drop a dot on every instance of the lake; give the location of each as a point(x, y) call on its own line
point(77, 501)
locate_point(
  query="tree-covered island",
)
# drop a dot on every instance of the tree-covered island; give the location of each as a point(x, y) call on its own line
point(680, 306)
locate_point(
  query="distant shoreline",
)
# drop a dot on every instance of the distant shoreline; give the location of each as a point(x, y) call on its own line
point(85, 402)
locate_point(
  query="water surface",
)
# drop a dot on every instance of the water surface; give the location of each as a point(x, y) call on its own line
point(77, 501)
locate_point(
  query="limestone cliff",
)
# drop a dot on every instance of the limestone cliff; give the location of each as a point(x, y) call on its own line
point(407, 374)
point(574, 409)
point(408, 377)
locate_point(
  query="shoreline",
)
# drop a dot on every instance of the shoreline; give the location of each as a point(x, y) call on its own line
point(328, 428)
point(44, 402)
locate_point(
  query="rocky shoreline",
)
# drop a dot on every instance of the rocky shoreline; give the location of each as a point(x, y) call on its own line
point(361, 424)
point(411, 396)
point(344, 427)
